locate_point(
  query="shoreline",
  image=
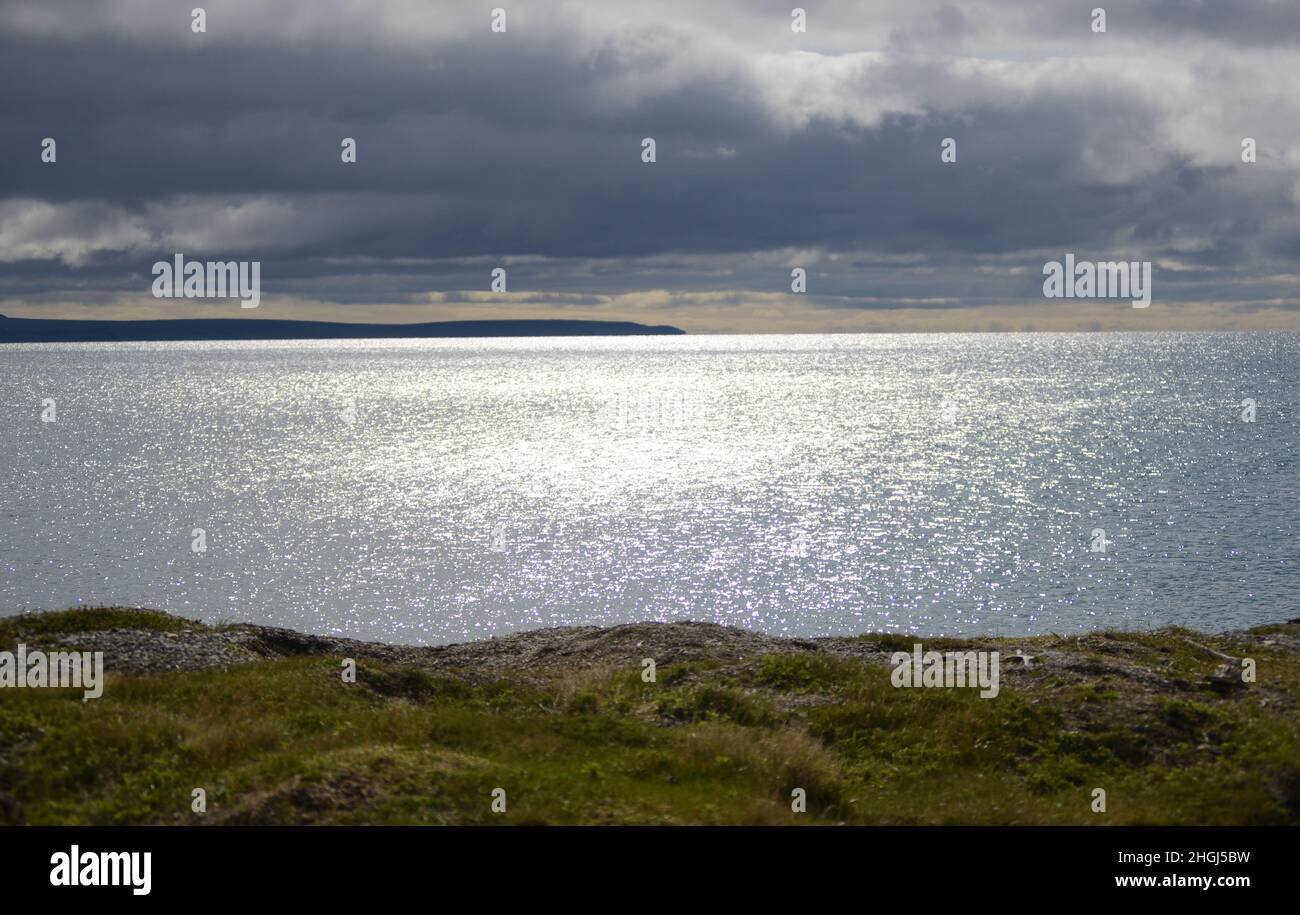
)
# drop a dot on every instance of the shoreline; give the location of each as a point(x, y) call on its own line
point(166, 641)
point(731, 723)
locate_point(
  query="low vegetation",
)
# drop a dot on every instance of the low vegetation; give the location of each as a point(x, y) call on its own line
point(726, 740)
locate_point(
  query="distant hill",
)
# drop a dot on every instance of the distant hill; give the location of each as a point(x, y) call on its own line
point(40, 330)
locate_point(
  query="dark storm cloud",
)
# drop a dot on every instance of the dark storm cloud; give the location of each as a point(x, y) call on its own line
point(1258, 22)
point(478, 149)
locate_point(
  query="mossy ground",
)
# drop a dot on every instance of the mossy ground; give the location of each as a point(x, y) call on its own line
point(287, 741)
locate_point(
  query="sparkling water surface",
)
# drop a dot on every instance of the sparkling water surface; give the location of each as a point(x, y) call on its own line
point(431, 491)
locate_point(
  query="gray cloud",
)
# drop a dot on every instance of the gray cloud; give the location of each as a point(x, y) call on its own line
point(775, 150)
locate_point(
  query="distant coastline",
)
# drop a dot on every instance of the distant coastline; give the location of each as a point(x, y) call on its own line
point(43, 330)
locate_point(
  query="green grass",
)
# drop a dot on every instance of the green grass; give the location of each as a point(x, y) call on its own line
point(287, 741)
point(88, 619)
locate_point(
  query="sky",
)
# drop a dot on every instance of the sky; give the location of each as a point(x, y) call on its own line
point(774, 150)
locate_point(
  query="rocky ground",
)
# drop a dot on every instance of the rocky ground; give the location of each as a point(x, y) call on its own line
point(1082, 658)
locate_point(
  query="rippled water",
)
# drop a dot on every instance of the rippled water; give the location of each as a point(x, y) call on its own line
point(443, 490)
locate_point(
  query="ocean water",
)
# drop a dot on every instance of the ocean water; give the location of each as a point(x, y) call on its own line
point(445, 490)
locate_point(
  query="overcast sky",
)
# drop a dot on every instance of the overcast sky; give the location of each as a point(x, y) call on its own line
point(774, 150)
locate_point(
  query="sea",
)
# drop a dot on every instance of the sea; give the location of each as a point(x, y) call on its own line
point(436, 491)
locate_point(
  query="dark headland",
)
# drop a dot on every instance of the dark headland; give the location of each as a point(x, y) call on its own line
point(42, 330)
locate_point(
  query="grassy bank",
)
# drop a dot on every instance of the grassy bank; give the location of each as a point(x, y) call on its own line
point(426, 735)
